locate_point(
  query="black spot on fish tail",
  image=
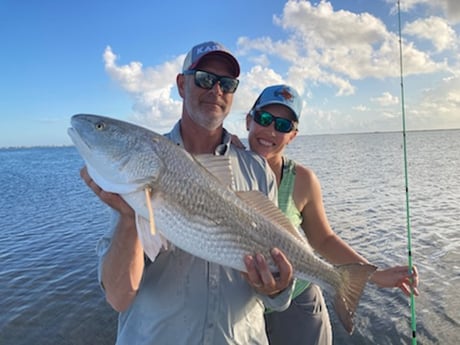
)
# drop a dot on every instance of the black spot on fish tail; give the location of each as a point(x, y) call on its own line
point(354, 278)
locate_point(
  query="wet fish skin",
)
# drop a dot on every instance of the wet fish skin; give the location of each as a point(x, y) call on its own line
point(198, 212)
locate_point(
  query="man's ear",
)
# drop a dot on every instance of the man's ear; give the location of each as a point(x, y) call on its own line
point(180, 81)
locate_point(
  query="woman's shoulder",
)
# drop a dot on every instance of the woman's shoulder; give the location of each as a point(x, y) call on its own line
point(305, 178)
point(301, 170)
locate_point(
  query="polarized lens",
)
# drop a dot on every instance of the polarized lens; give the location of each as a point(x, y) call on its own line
point(264, 119)
point(207, 81)
point(228, 84)
point(283, 125)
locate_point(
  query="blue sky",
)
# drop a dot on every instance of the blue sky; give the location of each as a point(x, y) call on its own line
point(120, 59)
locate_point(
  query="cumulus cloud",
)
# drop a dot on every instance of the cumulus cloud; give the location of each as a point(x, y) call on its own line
point(434, 29)
point(336, 47)
point(320, 47)
point(449, 8)
point(386, 99)
point(360, 108)
point(151, 89)
point(438, 105)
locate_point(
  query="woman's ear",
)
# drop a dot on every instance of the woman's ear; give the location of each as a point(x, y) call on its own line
point(293, 135)
point(248, 121)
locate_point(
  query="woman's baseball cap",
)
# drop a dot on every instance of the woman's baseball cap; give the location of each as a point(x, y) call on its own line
point(280, 94)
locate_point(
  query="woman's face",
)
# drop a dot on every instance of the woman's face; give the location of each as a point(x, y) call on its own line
point(267, 141)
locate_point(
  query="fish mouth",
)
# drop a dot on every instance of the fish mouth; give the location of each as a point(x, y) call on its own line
point(79, 143)
point(86, 153)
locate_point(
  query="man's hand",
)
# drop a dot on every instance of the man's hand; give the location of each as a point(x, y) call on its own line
point(113, 200)
point(260, 277)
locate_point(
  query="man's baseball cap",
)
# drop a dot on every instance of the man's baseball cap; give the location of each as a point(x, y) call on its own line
point(280, 94)
point(201, 50)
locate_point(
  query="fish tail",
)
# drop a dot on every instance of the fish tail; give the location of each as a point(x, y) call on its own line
point(353, 280)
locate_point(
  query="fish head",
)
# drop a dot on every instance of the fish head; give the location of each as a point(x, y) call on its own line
point(121, 157)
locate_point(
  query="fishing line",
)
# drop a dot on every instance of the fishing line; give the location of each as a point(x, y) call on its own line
point(406, 179)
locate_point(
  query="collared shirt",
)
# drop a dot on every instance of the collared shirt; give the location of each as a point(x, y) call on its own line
point(185, 300)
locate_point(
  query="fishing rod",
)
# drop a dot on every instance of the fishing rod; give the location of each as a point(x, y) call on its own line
point(406, 179)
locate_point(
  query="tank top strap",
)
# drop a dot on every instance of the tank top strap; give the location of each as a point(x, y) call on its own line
point(287, 184)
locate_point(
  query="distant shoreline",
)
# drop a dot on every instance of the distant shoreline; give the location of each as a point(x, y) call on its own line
point(5, 148)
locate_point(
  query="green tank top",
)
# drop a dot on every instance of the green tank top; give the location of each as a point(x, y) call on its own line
point(287, 205)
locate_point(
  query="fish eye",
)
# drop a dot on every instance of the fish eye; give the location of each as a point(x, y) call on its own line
point(100, 126)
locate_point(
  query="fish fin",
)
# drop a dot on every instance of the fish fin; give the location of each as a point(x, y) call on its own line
point(151, 244)
point(218, 166)
point(148, 196)
point(354, 278)
point(112, 187)
point(265, 207)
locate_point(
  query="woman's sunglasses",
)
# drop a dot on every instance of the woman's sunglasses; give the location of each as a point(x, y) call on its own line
point(264, 119)
point(207, 80)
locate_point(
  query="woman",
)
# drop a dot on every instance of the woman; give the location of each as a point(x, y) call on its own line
point(272, 124)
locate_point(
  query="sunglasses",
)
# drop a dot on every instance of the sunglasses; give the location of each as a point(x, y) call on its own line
point(207, 80)
point(264, 119)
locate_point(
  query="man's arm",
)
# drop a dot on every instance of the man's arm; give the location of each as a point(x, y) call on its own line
point(122, 260)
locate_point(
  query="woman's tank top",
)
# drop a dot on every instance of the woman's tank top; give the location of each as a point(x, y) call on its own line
point(287, 206)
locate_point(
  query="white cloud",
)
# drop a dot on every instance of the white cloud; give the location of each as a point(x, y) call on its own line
point(434, 29)
point(386, 99)
point(325, 49)
point(360, 108)
point(336, 47)
point(150, 88)
point(326, 27)
point(452, 9)
point(437, 107)
point(449, 8)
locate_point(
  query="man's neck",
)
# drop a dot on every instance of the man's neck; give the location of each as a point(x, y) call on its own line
point(198, 140)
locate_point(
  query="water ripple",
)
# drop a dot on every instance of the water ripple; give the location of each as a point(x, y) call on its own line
point(50, 224)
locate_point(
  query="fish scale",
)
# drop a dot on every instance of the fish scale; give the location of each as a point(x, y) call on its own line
point(196, 211)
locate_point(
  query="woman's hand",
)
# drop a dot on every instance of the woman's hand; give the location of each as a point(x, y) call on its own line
point(397, 276)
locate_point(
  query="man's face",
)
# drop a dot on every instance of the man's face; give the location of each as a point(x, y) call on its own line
point(207, 107)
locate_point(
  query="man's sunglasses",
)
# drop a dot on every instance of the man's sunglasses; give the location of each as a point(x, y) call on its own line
point(264, 118)
point(207, 80)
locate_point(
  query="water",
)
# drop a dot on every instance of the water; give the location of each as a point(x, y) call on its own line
point(50, 223)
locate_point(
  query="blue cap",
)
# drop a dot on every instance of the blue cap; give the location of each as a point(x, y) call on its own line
point(201, 50)
point(280, 94)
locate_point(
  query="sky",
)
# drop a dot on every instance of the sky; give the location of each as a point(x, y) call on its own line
point(120, 59)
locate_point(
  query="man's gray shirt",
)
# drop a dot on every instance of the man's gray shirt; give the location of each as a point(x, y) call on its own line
point(185, 300)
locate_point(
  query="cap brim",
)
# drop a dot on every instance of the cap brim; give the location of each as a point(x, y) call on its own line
point(261, 105)
point(230, 59)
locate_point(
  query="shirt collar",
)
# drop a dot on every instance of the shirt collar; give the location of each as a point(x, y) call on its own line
point(221, 149)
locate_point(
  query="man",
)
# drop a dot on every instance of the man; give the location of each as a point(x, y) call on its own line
point(179, 298)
